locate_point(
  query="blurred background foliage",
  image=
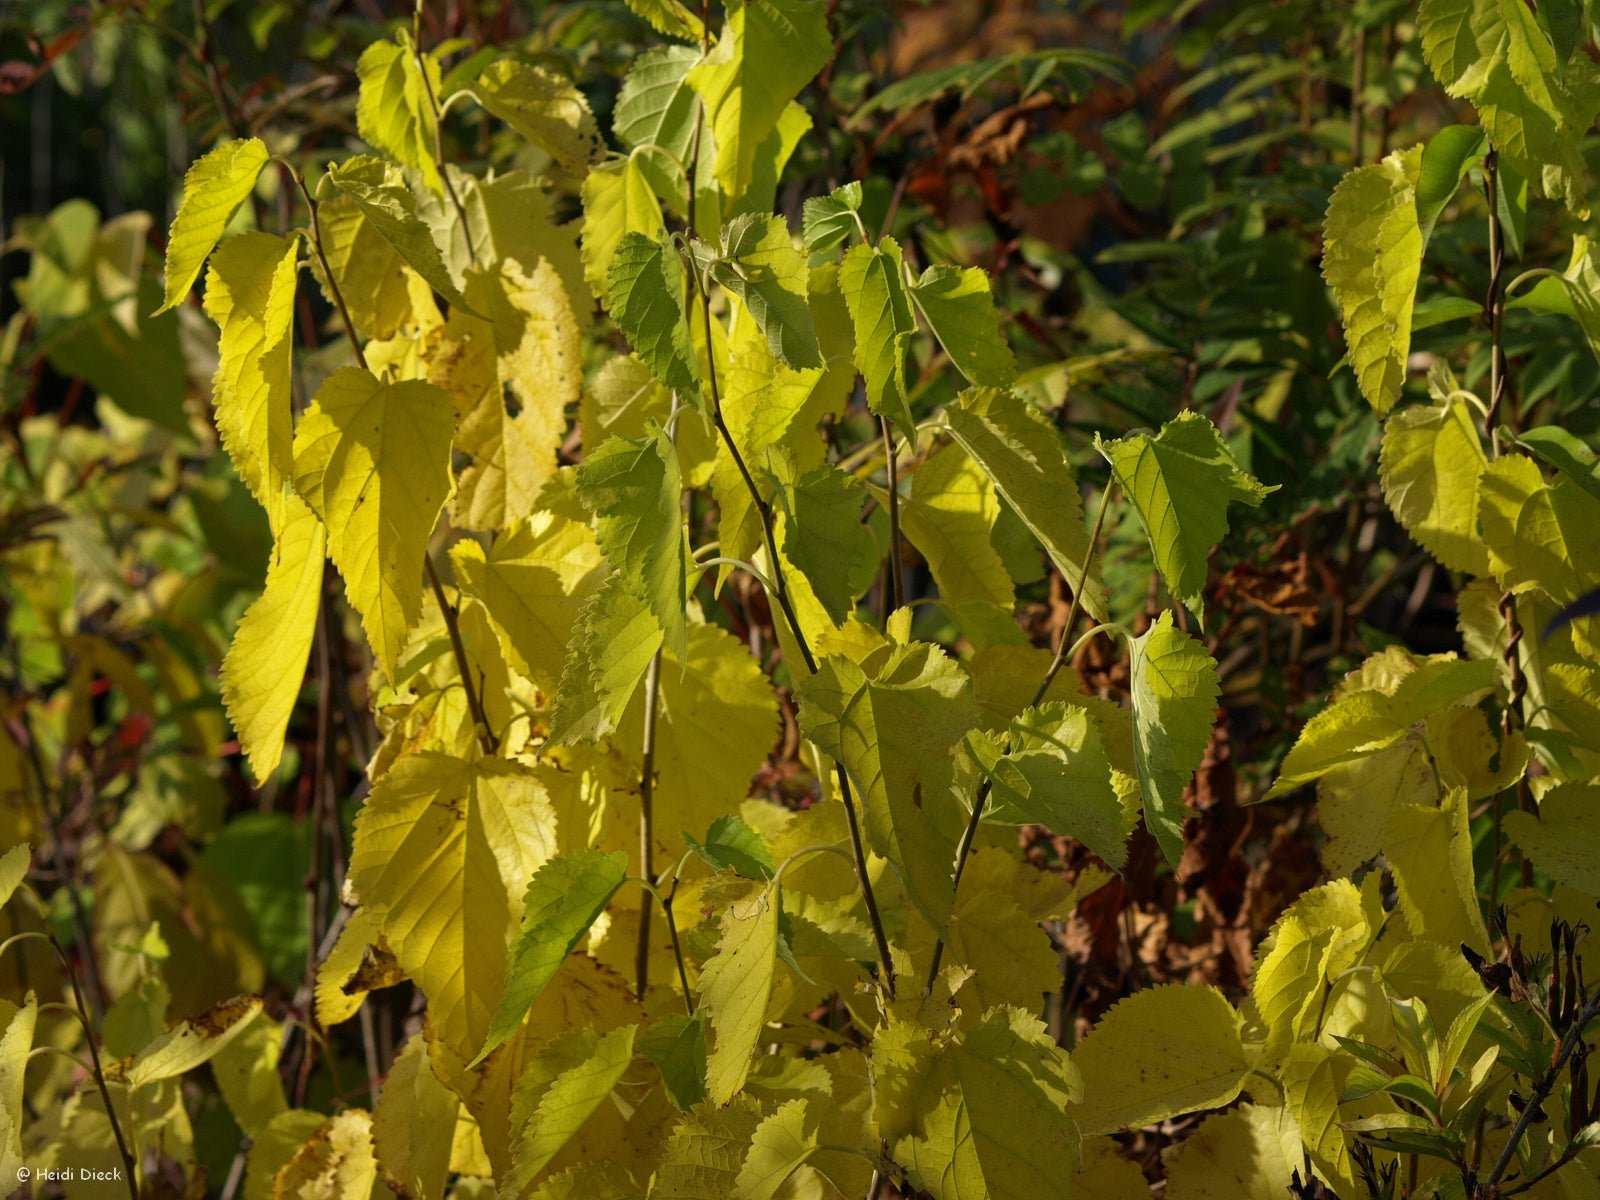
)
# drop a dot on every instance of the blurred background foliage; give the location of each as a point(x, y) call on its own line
point(1146, 181)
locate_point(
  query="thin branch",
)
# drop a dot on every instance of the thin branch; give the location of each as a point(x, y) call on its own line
point(452, 624)
point(1063, 644)
point(781, 594)
point(647, 823)
point(894, 580)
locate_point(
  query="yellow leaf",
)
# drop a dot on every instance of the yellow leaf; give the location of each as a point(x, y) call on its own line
point(213, 189)
point(336, 1164)
point(15, 1043)
point(1430, 851)
point(1430, 463)
point(395, 104)
point(246, 1071)
point(1163, 1051)
point(266, 662)
point(1562, 840)
point(444, 849)
point(735, 988)
point(372, 459)
point(196, 1041)
point(1313, 1080)
point(359, 962)
point(250, 295)
point(274, 1146)
point(369, 272)
point(1247, 1154)
point(414, 1125)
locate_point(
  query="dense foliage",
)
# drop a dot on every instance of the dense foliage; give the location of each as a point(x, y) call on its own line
point(797, 599)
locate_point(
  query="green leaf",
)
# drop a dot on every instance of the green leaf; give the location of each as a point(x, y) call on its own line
point(677, 1046)
point(379, 190)
point(821, 535)
point(617, 200)
point(250, 295)
point(394, 112)
point(213, 189)
point(1429, 466)
point(265, 665)
point(735, 988)
point(556, 1094)
point(828, 221)
point(1175, 687)
point(615, 637)
point(1372, 258)
point(892, 731)
point(768, 51)
point(372, 459)
point(1180, 482)
point(1020, 451)
point(760, 265)
point(645, 286)
point(657, 108)
point(1449, 155)
point(1533, 106)
point(959, 307)
point(732, 845)
point(873, 284)
point(1172, 1049)
point(545, 108)
point(984, 1114)
point(635, 491)
point(1054, 773)
point(566, 895)
point(1567, 454)
point(779, 1146)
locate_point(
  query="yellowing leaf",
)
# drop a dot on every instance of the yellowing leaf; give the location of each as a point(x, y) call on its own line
point(987, 1112)
point(1313, 1080)
point(336, 1164)
point(368, 271)
point(1533, 105)
point(893, 732)
point(1180, 482)
point(880, 311)
point(16, 1041)
point(617, 201)
point(395, 104)
point(372, 459)
point(1431, 460)
point(265, 665)
point(1430, 851)
point(735, 987)
point(1175, 690)
point(950, 517)
point(1372, 257)
point(442, 853)
point(778, 1148)
point(1250, 1153)
point(250, 295)
point(705, 1152)
point(512, 378)
point(768, 51)
point(1312, 942)
point(379, 190)
point(1050, 768)
point(533, 582)
point(245, 1067)
point(1163, 1051)
point(543, 107)
point(1562, 840)
point(613, 640)
point(196, 1041)
point(413, 1124)
point(14, 864)
point(274, 1146)
point(557, 1092)
point(634, 490)
point(358, 962)
point(821, 536)
point(959, 307)
point(1020, 451)
point(213, 189)
point(760, 265)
